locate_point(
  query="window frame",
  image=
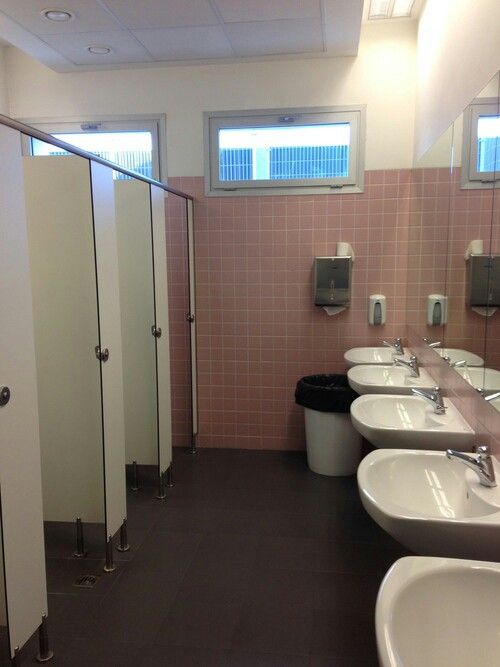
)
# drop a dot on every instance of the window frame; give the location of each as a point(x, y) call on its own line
point(472, 179)
point(156, 124)
point(215, 120)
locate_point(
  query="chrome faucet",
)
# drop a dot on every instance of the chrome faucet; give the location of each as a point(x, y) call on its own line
point(456, 364)
point(396, 344)
point(436, 343)
point(411, 365)
point(488, 396)
point(482, 464)
point(435, 397)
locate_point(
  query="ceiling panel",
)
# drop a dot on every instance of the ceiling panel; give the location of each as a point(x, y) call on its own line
point(163, 13)
point(142, 31)
point(186, 43)
point(235, 11)
point(275, 37)
point(89, 17)
point(125, 49)
point(345, 13)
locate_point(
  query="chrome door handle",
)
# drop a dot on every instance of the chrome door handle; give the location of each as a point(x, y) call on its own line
point(4, 396)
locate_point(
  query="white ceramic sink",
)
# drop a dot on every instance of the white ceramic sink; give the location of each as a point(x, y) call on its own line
point(460, 355)
point(439, 612)
point(379, 379)
point(484, 378)
point(372, 355)
point(432, 505)
point(397, 421)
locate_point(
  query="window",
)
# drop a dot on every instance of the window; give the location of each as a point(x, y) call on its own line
point(133, 144)
point(481, 163)
point(266, 152)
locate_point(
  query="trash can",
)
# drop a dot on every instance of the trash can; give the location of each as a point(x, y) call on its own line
point(333, 444)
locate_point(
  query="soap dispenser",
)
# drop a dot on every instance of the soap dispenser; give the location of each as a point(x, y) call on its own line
point(377, 309)
point(437, 309)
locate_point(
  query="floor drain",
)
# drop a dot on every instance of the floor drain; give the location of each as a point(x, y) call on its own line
point(86, 581)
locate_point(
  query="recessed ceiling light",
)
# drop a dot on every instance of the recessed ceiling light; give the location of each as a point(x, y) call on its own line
point(99, 50)
point(57, 15)
point(402, 8)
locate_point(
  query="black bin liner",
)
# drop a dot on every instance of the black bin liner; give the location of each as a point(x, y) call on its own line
point(325, 393)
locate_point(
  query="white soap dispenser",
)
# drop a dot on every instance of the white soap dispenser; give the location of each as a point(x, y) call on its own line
point(437, 309)
point(377, 309)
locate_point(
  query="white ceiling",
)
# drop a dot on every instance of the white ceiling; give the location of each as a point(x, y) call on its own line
point(156, 31)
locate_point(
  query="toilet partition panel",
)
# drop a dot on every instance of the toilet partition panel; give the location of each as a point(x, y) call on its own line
point(162, 322)
point(110, 344)
point(20, 476)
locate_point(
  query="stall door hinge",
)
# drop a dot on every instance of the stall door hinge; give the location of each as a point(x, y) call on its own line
point(189, 317)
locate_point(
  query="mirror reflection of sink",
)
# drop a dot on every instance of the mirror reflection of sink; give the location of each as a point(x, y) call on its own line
point(372, 355)
point(439, 612)
point(396, 421)
point(455, 355)
point(430, 504)
point(484, 378)
point(380, 379)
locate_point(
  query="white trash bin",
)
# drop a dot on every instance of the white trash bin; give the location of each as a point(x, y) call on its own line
point(333, 444)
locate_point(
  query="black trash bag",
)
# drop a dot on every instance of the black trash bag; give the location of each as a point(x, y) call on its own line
point(325, 393)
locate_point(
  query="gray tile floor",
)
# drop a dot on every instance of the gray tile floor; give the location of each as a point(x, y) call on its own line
point(253, 560)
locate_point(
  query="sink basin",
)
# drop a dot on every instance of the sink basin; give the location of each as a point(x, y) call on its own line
point(379, 379)
point(430, 504)
point(439, 612)
point(460, 355)
point(397, 421)
point(484, 378)
point(372, 355)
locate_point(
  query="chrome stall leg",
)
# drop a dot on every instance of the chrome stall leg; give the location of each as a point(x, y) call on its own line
point(44, 653)
point(170, 476)
point(193, 449)
point(110, 566)
point(80, 543)
point(124, 545)
point(135, 477)
point(162, 494)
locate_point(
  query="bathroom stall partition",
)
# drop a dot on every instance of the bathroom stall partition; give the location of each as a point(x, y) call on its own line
point(23, 592)
point(86, 252)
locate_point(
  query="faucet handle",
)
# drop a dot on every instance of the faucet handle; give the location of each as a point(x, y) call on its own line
point(483, 451)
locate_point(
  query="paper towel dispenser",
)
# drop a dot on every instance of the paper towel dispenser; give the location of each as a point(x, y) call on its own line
point(483, 280)
point(332, 281)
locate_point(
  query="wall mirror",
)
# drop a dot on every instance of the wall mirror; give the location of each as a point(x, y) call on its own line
point(456, 268)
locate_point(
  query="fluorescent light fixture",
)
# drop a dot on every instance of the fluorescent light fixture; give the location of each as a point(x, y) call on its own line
point(402, 8)
point(97, 50)
point(57, 15)
point(379, 9)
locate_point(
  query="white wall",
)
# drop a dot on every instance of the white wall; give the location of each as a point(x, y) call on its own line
point(458, 53)
point(4, 98)
point(382, 76)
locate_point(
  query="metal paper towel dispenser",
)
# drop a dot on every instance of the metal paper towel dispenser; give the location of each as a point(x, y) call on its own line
point(332, 281)
point(483, 280)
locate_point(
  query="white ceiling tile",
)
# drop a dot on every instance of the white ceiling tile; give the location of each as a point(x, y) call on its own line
point(235, 11)
point(342, 26)
point(89, 17)
point(275, 37)
point(125, 48)
point(186, 43)
point(163, 13)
